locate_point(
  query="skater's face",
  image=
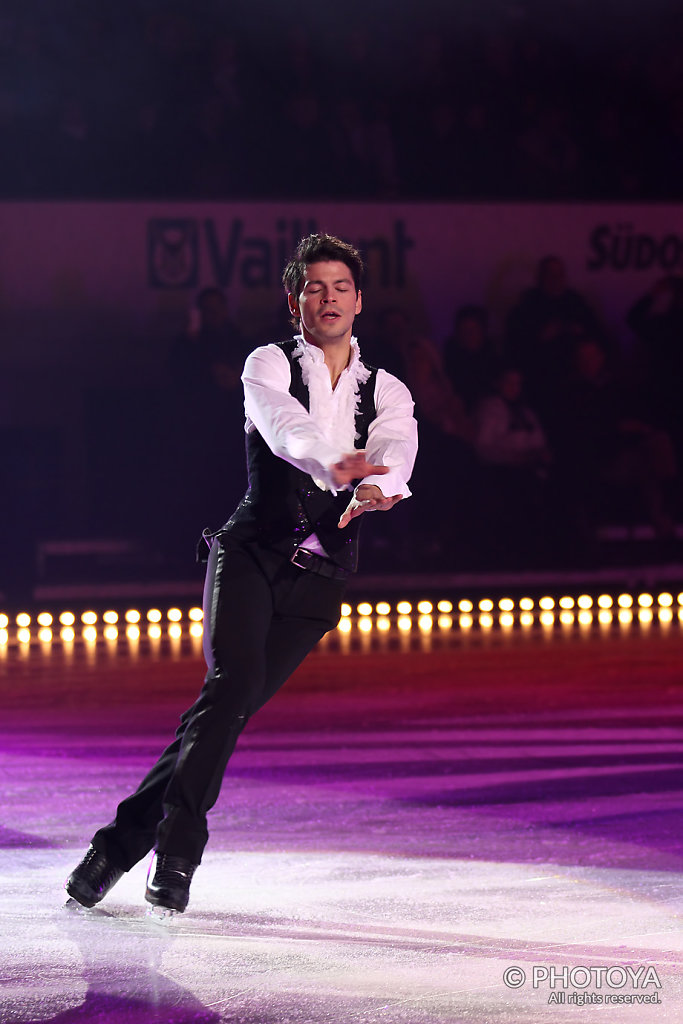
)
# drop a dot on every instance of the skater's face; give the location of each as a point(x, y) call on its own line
point(327, 302)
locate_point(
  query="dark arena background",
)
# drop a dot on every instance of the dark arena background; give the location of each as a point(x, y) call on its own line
point(466, 804)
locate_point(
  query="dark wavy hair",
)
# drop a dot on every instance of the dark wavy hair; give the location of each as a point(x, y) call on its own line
point(320, 249)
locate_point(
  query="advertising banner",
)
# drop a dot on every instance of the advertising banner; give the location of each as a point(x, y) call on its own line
point(113, 283)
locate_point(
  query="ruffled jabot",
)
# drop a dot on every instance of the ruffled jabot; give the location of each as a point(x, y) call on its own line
point(332, 411)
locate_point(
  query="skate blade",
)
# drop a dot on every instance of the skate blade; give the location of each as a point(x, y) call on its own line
point(161, 915)
point(72, 906)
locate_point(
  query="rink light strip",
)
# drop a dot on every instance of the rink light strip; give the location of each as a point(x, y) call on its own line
point(504, 613)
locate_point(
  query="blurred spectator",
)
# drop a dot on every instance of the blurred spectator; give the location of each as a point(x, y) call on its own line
point(612, 460)
point(430, 71)
point(445, 436)
point(548, 154)
point(302, 60)
point(212, 164)
point(483, 138)
point(541, 330)
point(470, 359)
point(481, 104)
point(226, 73)
point(210, 354)
point(431, 160)
point(514, 480)
point(616, 169)
point(221, 134)
point(206, 406)
point(303, 134)
point(384, 181)
point(657, 321)
point(349, 167)
point(416, 360)
point(508, 432)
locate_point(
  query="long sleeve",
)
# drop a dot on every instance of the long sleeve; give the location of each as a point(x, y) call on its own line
point(282, 421)
point(392, 437)
point(315, 444)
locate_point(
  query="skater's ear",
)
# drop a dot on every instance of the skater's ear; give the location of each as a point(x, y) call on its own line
point(293, 304)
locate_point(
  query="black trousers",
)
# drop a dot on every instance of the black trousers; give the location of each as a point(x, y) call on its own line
point(262, 616)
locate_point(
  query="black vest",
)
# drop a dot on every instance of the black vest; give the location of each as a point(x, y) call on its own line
point(282, 505)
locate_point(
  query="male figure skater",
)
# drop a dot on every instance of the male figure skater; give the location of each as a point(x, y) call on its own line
point(318, 422)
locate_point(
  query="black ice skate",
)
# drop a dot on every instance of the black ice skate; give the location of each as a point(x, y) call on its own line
point(92, 879)
point(169, 890)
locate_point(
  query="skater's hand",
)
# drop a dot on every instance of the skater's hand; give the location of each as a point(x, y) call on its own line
point(354, 466)
point(367, 498)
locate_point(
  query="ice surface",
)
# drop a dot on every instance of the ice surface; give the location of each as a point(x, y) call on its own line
point(373, 859)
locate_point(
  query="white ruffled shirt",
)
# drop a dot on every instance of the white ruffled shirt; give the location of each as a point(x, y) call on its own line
point(314, 440)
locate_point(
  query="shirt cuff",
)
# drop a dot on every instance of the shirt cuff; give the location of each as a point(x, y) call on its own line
point(389, 483)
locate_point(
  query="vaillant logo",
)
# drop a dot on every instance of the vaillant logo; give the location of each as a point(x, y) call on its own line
point(183, 251)
point(173, 253)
